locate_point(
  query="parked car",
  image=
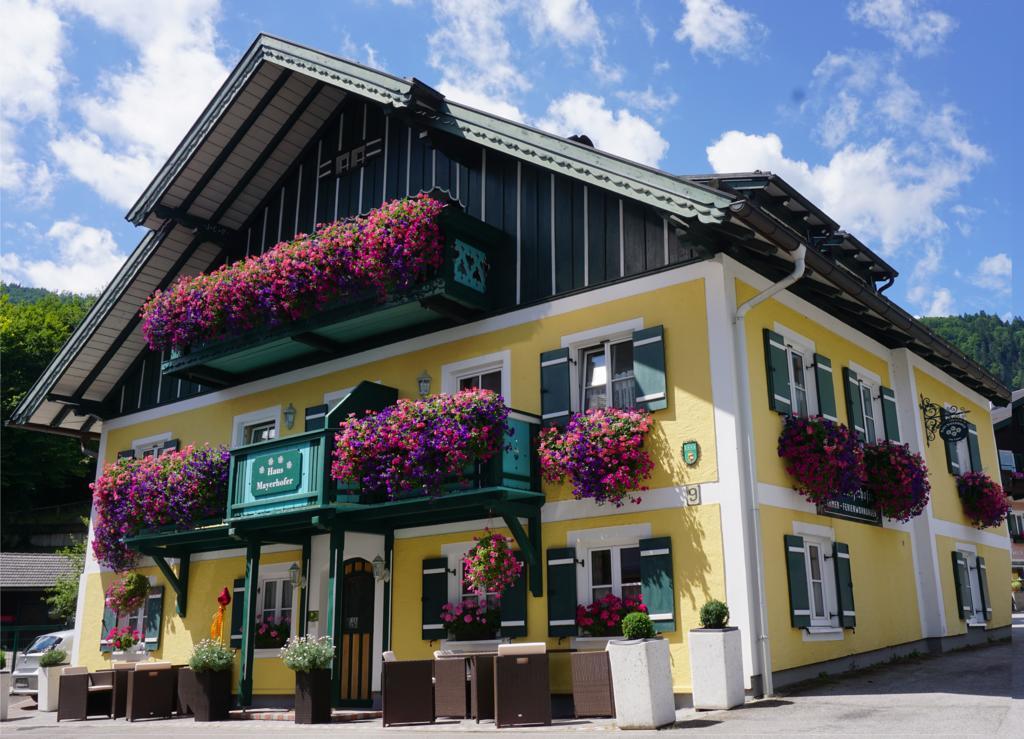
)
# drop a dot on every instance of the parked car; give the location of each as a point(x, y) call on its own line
point(23, 677)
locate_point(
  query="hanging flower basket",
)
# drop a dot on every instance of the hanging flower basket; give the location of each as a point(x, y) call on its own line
point(604, 616)
point(601, 453)
point(897, 478)
point(174, 489)
point(824, 458)
point(491, 566)
point(128, 594)
point(984, 500)
point(388, 251)
point(470, 620)
point(420, 445)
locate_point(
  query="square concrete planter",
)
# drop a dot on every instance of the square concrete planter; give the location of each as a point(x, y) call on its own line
point(5, 692)
point(642, 683)
point(716, 664)
point(49, 685)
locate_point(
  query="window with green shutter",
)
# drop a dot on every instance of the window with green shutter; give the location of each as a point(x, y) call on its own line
point(109, 622)
point(237, 611)
point(844, 585)
point(889, 416)
point(154, 617)
point(555, 385)
point(952, 453)
point(973, 449)
point(316, 417)
point(776, 360)
point(962, 584)
point(826, 387)
point(656, 582)
point(513, 604)
point(649, 368)
point(561, 591)
point(126, 454)
point(986, 602)
point(796, 571)
point(433, 598)
point(854, 402)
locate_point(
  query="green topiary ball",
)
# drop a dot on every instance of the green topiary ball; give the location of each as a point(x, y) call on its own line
point(714, 615)
point(637, 625)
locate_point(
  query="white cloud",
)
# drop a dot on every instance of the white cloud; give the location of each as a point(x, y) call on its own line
point(87, 258)
point(912, 28)
point(140, 112)
point(571, 24)
point(662, 66)
point(840, 119)
point(648, 99)
point(938, 302)
point(965, 217)
point(618, 132)
point(650, 30)
point(994, 273)
point(715, 28)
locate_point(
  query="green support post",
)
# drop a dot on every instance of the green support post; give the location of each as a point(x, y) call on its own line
point(389, 548)
point(252, 581)
point(179, 582)
point(336, 586)
point(304, 597)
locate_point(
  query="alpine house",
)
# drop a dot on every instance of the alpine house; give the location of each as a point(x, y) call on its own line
point(696, 375)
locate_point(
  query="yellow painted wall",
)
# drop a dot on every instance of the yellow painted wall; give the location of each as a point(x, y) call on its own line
point(698, 572)
point(884, 589)
point(997, 564)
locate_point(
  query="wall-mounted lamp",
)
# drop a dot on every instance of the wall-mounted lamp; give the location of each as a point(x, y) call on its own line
point(294, 575)
point(380, 571)
point(289, 416)
point(424, 383)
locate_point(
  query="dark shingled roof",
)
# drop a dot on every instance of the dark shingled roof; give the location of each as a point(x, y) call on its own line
point(31, 570)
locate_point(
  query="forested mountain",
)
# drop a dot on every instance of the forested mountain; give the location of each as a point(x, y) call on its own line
point(995, 344)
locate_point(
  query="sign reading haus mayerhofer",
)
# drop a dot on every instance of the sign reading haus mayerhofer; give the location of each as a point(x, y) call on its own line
point(858, 506)
point(276, 473)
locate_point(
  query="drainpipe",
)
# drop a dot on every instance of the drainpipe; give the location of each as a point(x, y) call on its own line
point(748, 452)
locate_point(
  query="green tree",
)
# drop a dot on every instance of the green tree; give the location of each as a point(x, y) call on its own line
point(62, 597)
point(995, 344)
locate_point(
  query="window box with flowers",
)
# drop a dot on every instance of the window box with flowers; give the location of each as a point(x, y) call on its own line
point(984, 501)
point(824, 458)
point(603, 617)
point(897, 479)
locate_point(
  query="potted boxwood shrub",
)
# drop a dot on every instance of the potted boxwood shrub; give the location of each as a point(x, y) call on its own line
point(311, 660)
point(210, 680)
point(5, 685)
point(51, 663)
point(716, 660)
point(641, 675)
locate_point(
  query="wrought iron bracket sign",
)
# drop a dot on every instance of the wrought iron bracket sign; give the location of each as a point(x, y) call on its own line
point(946, 422)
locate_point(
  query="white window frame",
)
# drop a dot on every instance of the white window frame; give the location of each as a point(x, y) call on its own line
point(244, 420)
point(501, 361)
point(824, 537)
point(1019, 515)
point(616, 568)
point(277, 571)
point(454, 553)
point(154, 444)
point(805, 348)
point(970, 553)
point(579, 342)
point(334, 397)
point(868, 380)
point(124, 619)
point(607, 537)
point(1007, 461)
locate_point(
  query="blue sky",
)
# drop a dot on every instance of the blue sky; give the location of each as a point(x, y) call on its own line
point(897, 117)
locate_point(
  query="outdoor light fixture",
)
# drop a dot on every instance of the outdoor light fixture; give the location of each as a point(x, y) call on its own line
point(289, 416)
point(380, 572)
point(424, 383)
point(294, 575)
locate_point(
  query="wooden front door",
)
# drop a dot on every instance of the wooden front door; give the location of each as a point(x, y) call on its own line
point(357, 632)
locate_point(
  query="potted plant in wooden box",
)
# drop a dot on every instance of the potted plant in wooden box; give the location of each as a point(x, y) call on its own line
point(641, 675)
point(209, 693)
point(716, 660)
point(311, 660)
point(51, 664)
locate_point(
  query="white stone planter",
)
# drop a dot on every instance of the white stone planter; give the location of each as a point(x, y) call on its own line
point(5, 693)
point(137, 656)
point(716, 664)
point(49, 685)
point(642, 682)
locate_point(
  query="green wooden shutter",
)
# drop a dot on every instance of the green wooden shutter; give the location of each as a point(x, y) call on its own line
point(960, 582)
point(1014, 526)
point(844, 585)
point(889, 416)
point(562, 591)
point(109, 622)
point(649, 368)
point(854, 402)
point(316, 417)
point(555, 387)
point(237, 612)
point(796, 569)
point(435, 595)
point(986, 603)
point(826, 387)
point(656, 583)
point(952, 455)
point(154, 617)
point(972, 447)
point(780, 398)
point(513, 605)
point(126, 454)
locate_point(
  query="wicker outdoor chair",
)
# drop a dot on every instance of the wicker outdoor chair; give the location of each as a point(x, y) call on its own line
point(83, 694)
point(120, 673)
point(152, 691)
point(451, 689)
point(592, 685)
point(522, 692)
point(408, 692)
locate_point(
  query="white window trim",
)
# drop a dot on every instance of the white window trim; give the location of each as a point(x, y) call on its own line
point(334, 397)
point(273, 413)
point(824, 537)
point(970, 551)
point(454, 553)
point(122, 620)
point(452, 372)
point(588, 339)
point(586, 540)
point(277, 571)
point(139, 446)
point(806, 348)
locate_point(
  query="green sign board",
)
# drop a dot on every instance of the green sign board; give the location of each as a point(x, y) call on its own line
point(276, 473)
point(860, 507)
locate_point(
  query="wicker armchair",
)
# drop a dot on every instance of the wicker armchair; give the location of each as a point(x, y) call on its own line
point(408, 692)
point(522, 692)
point(152, 691)
point(83, 694)
point(592, 685)
point(451, 690)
